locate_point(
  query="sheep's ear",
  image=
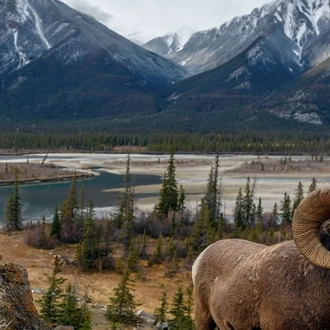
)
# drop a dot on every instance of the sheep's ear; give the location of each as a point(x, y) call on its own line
point(308, 218)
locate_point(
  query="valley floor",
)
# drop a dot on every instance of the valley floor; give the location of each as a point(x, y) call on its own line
point(273, 176)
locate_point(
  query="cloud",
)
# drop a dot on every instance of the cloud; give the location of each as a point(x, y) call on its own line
point(92, 10)
point(145, 19)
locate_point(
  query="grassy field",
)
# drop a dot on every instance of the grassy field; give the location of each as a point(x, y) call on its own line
point(150, 282)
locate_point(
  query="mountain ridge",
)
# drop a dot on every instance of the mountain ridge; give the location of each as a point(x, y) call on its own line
point(65, 63)
point(298, 21)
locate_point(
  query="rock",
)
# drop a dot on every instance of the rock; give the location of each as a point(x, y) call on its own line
point(99, 306)
point(37, 291)
point(17, 310)
point(162, 326)
point(145, 317)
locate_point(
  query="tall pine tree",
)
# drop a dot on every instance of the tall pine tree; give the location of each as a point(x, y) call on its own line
point(50, 301)
point(299, 196)
point(212, 196)
point(169, 193)
point(88, 251)
point(286, 209)
point(56, 225)
point(121, 309)
point(13, 219)
point(161, 311)
point(125, 216)
point(313, 185)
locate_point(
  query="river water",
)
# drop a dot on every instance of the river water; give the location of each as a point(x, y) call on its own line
point(40, 199)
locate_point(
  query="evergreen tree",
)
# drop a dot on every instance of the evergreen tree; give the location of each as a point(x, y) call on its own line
point(189, 308)
point(259, 211)
point(88, 250)
point(181, 201)
point(275, 212)
point(73, 196)
point(10, 211)
point(62, 307)
point(122, 305)
point(125, 217)
point(181, 311)
point(50, 301)
point(56, 225)
point(169, 193)
point(313, 185)
point(69, 311)
point(286, 209)
point(212, 196)
point(178, 311)
point(85, 313)
point(299, 196)
point(203, 233)
point(239, 219)
point(248, 205)
point(69, 228)
point(13, 219)
point(161, 312)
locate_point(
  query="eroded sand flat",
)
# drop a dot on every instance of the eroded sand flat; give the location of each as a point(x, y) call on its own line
point(192, 172)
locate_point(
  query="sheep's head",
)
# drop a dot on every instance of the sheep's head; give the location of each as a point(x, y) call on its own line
point(311, 227)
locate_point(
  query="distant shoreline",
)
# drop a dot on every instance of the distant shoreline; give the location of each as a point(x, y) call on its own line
point(35, 173)
point(45, 180)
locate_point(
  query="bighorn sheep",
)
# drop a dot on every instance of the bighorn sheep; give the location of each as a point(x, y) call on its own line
point(240, 285)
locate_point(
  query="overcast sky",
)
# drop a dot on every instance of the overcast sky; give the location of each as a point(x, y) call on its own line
point(150, 18)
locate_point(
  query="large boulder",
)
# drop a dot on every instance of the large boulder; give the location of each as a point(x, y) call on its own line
point(17, 310)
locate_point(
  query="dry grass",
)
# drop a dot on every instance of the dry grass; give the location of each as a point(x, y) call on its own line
point(149, 286)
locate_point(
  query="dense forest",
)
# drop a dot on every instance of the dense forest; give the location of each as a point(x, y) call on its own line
point(170, 234)
point(283, 143)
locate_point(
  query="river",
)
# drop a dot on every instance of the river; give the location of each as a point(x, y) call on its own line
point(40, 199)
point(192, 171)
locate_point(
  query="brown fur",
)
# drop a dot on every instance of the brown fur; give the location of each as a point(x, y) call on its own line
point(243, 286)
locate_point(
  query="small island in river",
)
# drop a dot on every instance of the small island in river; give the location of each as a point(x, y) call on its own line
point(34, 173)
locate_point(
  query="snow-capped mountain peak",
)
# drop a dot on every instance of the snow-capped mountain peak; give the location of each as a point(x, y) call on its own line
point(184, 35)
point(30, 29)
point(171, 42)
point(290, 27)
point(302, 19)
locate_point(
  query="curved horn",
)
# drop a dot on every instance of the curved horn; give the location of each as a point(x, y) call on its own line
point(307, 220)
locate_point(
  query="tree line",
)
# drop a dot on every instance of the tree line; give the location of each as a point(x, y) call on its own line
point(254, 142)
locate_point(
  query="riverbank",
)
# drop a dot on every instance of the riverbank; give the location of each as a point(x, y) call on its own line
point(33, 173)
point(273, 175)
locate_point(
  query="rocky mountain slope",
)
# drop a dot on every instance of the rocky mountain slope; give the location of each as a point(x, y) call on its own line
point(298, 29)
point(269, 66)
point(305, 99)
point(274, 62)
point(67, 65)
